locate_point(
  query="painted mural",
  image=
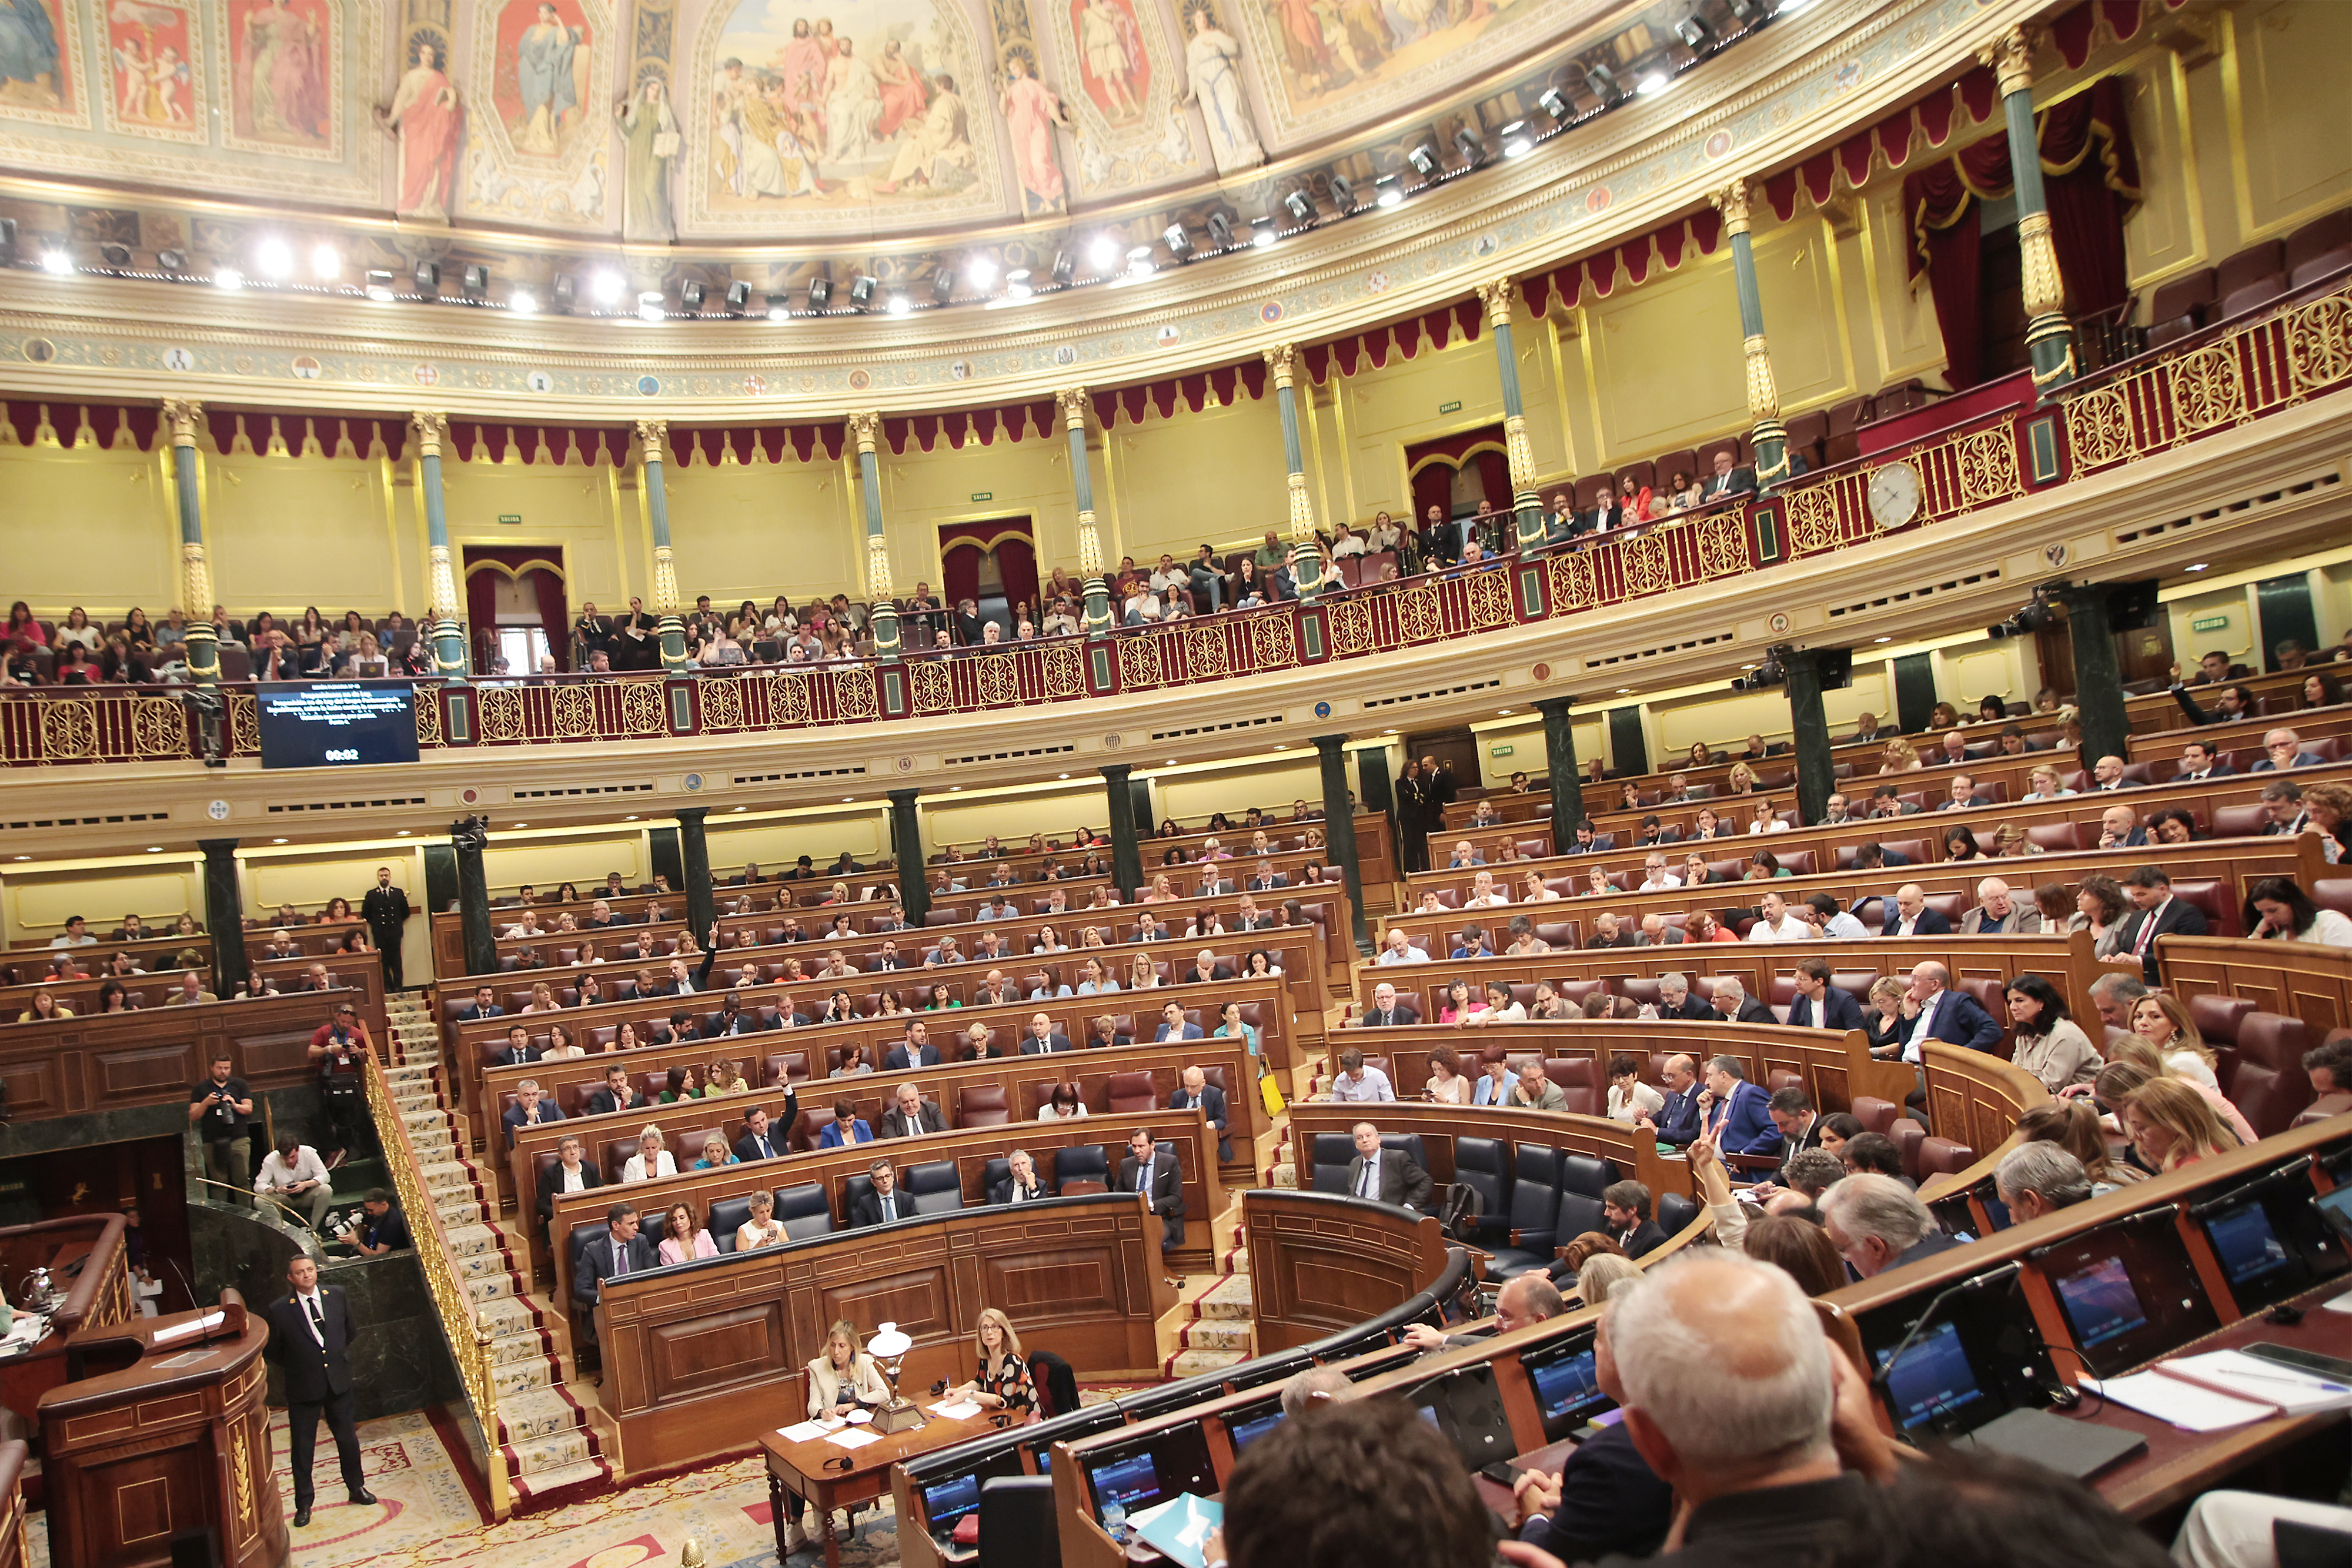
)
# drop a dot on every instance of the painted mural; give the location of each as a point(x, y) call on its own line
point(542, 150)
point(836, 112)
point(40, 62)
point(428, 121)
point(285, 76)
point(1124, 86)
point(158, 85)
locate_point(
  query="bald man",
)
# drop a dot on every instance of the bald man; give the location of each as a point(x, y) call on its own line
point(1912, 918)
point(1524, 1298)
point(1999, 913)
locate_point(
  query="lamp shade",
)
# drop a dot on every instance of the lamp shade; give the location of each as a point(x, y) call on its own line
point(887, 1341)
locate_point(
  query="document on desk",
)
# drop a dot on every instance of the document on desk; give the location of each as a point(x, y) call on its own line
point(2292, 1392)
point(1178, 1529)
point(806, 1432)
point(853, 1438)
point(957, 1409)
point(2188, 1405)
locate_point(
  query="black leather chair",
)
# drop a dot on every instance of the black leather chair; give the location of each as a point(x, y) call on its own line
point(1080, 1162)
point(1581, 1178)
point(852, 1189)
point(725, 1216)
point(1329, 1160)
point(1675, 1211)
point(1533, 1214)
point(803, 1211)
point(933, 1187)
point(1484, 1164)
point(1017, 1525)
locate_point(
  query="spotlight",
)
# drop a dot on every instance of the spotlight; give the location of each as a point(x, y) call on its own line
point(1220, 232)
point(274, 258)
point(1343, 193)
point(116, 256)
point(1472, 146)
point(1065, 267)
point(1263, 233)
point(606, 287)
point(1423, 159)
point(1300, 206)
point(567, 292)
point(523, 302)
point(861, 293)
point(651, 307)
point(1179, 241)
point(943, 282)
point(1656, 82)
point(1386, 191)
point(1139, 262)
point(820, 289)
point(171, 261)
point(1551, 101)
point(738, 298)
point(1017, 285)
point(898, 305)
point(326, 263)
point(1104, 254)
point(981, 273)
point(1602, 83)
point(1514, 140)
point(379, 287)
point(691, 294)
point(1694, 32)
point(428, 279)
point(475, 280)
point(57, 261)
point(780, 306)
point(228, 279)
point(1746, 13)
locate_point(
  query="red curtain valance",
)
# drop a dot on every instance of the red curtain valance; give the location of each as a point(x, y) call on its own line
point(1453, 451)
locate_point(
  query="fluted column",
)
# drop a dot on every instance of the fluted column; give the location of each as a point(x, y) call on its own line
point(1305, 561)
point(2049, 336)
point(883, 622)
point(651, 434)
point(1526, 507)
point(1082, 479)
point(195, 579)
point(450, 658)
point(1770, 437)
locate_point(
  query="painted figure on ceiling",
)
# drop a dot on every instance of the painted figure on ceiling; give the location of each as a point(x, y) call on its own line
point(1213, 68)
point(544, 58)
point(426, 117)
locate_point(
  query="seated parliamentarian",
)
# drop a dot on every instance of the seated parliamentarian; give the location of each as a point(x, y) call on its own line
point(761, 1228)
point(1738, 1118)
point(844, 1377)
point(1194, 1089)
point(1386, 1011)
point(911, 1116)
point(1732, 1001)
point(1877, 1224)
point(1626, 1208)
point(1999, 913)
point(1358, 1082)
point(1174, 1026)
point(530, 1109)
point(846, 1127)
point(1021, 1183)
point(1385, 1176)
point(617, 1094)
point(682, 1239)
point(1535, 1091)
point(884, 1203)
point(651, 1160)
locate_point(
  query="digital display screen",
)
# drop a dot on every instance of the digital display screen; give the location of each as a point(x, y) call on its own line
point(1172, 1463)
point(1933, 1379)
point(1244, 1433)
point(1133, 1482)
point(2100, 1303)
point(949, 1501)
point(2245, 1243)
point(336, 724)
point(1568, 1390)
point(2335, 1207)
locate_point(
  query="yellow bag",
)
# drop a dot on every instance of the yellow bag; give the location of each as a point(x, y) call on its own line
point(1271, 1092)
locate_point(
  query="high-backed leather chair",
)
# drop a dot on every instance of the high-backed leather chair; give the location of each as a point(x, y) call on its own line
point(981, 1105)
point(1484, 1165)
point(933, 1187)
point(1534, 1212)
point(803, 1211)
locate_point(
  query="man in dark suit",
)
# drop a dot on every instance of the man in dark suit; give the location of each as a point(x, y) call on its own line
point(385, 910)
point(2234, 703)
point(617, 1094)
point(732, 1020)
point(1819, 1004)
point(482, 1007)
point(1196, 1090)
point(913, 1116)
point(1736, 1119)
point(1020, 1182)
point(1609, 514)
point(2120, 829)
point(2283, 749)
point(1385, 1176)
point(1678, 1120)
point(1727, 481)
point(2158, 915)
point(757, 1143)
point(1950, 1016)
point(1151, 1170)
point(1386, 1011)
point(2198, 764)
point(1625, 1210)
point(1205, 970)
point(1043, 1039)
point(883, 1202)
point(915, 1050)
point(529, 1110)
point(1175, 1026)
point(1791, 1110)
point(518, 1051)
point(1732, 1001)
point(310, 1336)
point(1676, 1000)
point(1877, 1223)
point(569, 1173)
point(1912, 918)
point(620, 1252)
point(1607, 932)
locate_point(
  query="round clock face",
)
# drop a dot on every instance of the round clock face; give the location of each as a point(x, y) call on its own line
point(1894, 494)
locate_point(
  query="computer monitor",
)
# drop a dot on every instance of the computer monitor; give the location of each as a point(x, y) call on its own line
point(1349, 1343)
point(1933, 1382)
point(2128, 1292)
point(1567, 1381)
point(949, 1495)
point(1169, 1397)
point(1992, 1328)
point(2273, 1237)
point(1248, 1424)
point(1465, 1404)
point(1150, 1470)
point(1069, 1428)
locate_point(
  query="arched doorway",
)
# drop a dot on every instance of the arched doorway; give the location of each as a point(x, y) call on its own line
point(1454, 472)
point(994, 563)
point(515, 607)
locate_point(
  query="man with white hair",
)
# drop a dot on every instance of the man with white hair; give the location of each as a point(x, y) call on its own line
point(1484, 894)
point(1775, 923)
point(1386, 1011)
point(2038, 1178)
point(1732, 1001)
point(1942, 1013)
point(1730, 1394)
point(2283, 749)
point(1676, 1001)
point(1998, 913)
point(1524, 1298)
point(1876, 1224)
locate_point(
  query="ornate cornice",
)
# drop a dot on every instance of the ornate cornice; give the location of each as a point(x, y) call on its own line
point(2010, 60)
point(1731, 201)
point(431, 429)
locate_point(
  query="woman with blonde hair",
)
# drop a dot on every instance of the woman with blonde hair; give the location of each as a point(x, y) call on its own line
point(2160, 1018)
point(651, 1159)
point(844, 1377)
point(2047, 783)
point(542, 999)
point(2011, 841)
point(682, 1238)
point(2072, 1124)
point(1741, 781)
point(2171, 1126)
point(1141, 976)
point(1002, 1381)
point(761, 1228)
point(2132, 1061)
point(1902, 757)
point(1599, 1274)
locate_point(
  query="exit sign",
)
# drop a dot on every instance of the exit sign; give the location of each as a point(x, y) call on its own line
point(983, 495)
point(2211, 623)
point(1499, 750)
point(1449, 408)
point(514, 519)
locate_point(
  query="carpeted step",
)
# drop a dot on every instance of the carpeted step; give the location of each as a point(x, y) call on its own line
point(1285, 1174)
point(533, 1415)
point(1215, 1333)
point(488, 1287)
point(517, 1347)
point(1230, 1301)
point(534, 1376)
point(550, 1452)
point(1235, 1261)
point(549, 1489)
point(471, 1240)
point(1191, 1362)
point(507, 1315)
point(459, 1211)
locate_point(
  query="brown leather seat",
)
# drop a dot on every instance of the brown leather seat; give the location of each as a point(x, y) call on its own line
point(1573, 992)
point(2240, 822)
point(2054, 837)
point(2217, 1018)
point(2212, 896)
point(1129, 1094)
point(1908, 1135)
point(981, 1105)
point(1576, 1077)
point(1876, 1115)
point(2274, 1039)
point(1942, 1157)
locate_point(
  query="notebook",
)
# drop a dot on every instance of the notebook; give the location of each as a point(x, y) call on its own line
point(1178, 1529)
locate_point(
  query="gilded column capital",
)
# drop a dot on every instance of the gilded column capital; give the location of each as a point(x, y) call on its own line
point(2010, 60)
point(1283, 360)
point(1731, 201)
point(652, 435)
point(866, 426)
point(431, 428)
point(184, 414)
point(1495, 299)
point(1073, 401)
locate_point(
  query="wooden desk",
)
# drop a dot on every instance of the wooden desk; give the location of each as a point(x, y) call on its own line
point(800, 1468)
point(1320, 1262)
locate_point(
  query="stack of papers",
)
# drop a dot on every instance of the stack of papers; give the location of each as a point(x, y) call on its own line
point(1178, 1529)
point(957, 1409)
point(806, 1432)
point(2223, 1388)
point(852, 1437)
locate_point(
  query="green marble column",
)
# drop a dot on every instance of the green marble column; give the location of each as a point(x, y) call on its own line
point(1527, 506)
point(225, 913)
point(1567, 782)
point(1339, 831)
point(651, 434)
point(196, 581)
point(1769, 435)
point(1098, 616)
point(474, 906)
point(451, 660)
point(2098, 674)
point(884, 617)
point(1126, 853)
point(1816, 778)
point(694, 869)
point(1306, 557)
point(2048, 335)
point(907, 849)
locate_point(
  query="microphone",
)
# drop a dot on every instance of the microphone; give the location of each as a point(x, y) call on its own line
point(1880, 1379)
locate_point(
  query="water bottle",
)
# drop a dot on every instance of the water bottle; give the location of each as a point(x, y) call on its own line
point(1114, 1518)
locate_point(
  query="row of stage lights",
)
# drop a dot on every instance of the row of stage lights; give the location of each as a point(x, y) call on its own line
point(1106, 259)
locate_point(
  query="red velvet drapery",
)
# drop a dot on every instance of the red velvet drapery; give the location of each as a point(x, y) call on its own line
point(963, 546)
point(539, 569)
point(1430, 466)
point(2091, 176)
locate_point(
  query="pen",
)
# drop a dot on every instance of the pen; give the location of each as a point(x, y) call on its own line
point(2306, 1383)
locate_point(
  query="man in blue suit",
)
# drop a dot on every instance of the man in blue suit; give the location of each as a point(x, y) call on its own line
point(1173, 1025)
point(1738, 1118)
point(1912, 918)
point(1678, 1120)
point(846, 1127)
point(1950, 1016)
point(1819, 1004)
point(915, 1050)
